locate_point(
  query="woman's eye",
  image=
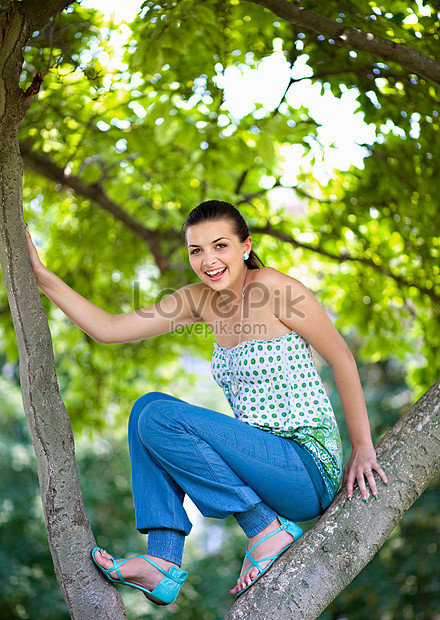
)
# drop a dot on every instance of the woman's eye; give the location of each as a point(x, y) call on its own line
point(219, 245)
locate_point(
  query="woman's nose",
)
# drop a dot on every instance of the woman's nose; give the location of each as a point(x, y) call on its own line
point(209, 258)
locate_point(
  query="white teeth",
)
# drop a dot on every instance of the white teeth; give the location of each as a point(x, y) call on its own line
point(212, 273)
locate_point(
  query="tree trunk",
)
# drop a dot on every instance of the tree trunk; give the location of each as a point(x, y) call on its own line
point(87, 593)
point(327, 558)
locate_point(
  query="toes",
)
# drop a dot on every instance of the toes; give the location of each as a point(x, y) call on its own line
point(252, 574)
point(238, 586)
point(249, 577)
point(242, 583)
point(246, 579)
point(103, 558)
point(104, 554)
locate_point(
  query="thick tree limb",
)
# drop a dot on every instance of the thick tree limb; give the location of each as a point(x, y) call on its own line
point(355, 39)
point(328, 557)
point(43, 165)
point(39, 12)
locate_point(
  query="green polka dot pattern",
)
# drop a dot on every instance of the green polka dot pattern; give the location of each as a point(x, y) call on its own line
point(282, 393)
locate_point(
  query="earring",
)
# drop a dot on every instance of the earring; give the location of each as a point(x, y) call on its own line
point(245, 256)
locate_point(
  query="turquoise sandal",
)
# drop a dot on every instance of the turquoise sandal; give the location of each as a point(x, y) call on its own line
point(290, 527)
point(166, 590)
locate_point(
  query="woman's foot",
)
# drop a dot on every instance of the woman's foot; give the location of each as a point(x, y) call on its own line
point(270, 547)
point(135, 570)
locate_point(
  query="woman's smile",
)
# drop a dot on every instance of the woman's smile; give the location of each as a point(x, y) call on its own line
point(216, 274)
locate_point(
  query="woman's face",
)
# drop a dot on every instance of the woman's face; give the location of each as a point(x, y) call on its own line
point(216, 253)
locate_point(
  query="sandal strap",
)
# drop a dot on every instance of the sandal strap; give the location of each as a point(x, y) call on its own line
point(176, 574)
point(264, 538)
point(256, 563)
point(248, 554)
point(153, 563)
point(118, 563)
point(289, 526)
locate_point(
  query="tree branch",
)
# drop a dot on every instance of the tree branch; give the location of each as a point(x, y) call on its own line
point(355, 39)
point(33, 89)
point(241, 181)
point(328, 557)
point(37, 13)
point(43, 165)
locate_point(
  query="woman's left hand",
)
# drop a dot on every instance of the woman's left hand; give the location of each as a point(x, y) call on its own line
point(360, 469)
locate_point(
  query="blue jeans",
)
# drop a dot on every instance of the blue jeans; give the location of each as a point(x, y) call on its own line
point(226, 467)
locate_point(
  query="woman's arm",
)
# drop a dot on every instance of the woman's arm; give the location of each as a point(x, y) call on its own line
point(174, 310)
point(307, 318)
point(363, 456)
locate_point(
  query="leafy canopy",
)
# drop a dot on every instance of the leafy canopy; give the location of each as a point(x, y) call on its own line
point(150, 131)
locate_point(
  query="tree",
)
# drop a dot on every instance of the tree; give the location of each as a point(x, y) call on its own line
point(405, 571)
point(105, 139)
point(68, 529)
point(366, 229)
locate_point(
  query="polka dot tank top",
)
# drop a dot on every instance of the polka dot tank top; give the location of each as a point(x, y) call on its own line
point(281, 392)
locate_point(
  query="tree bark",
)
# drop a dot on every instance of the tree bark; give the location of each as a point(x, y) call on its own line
point(87, 593)
point(327, 558)
point(355, 39)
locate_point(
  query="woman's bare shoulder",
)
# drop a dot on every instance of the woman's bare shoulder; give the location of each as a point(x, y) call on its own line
point(274, 278)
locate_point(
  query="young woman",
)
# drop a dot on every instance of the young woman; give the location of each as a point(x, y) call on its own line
point(279, 459)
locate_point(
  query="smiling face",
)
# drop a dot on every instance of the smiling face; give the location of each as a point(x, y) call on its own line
point(216, 253)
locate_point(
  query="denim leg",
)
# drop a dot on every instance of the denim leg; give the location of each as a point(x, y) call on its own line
point(154, 491)
point(157, 489)
point(158, 499)
point(224, 465)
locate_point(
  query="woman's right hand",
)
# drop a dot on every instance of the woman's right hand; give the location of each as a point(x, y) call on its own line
point(37, 266)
